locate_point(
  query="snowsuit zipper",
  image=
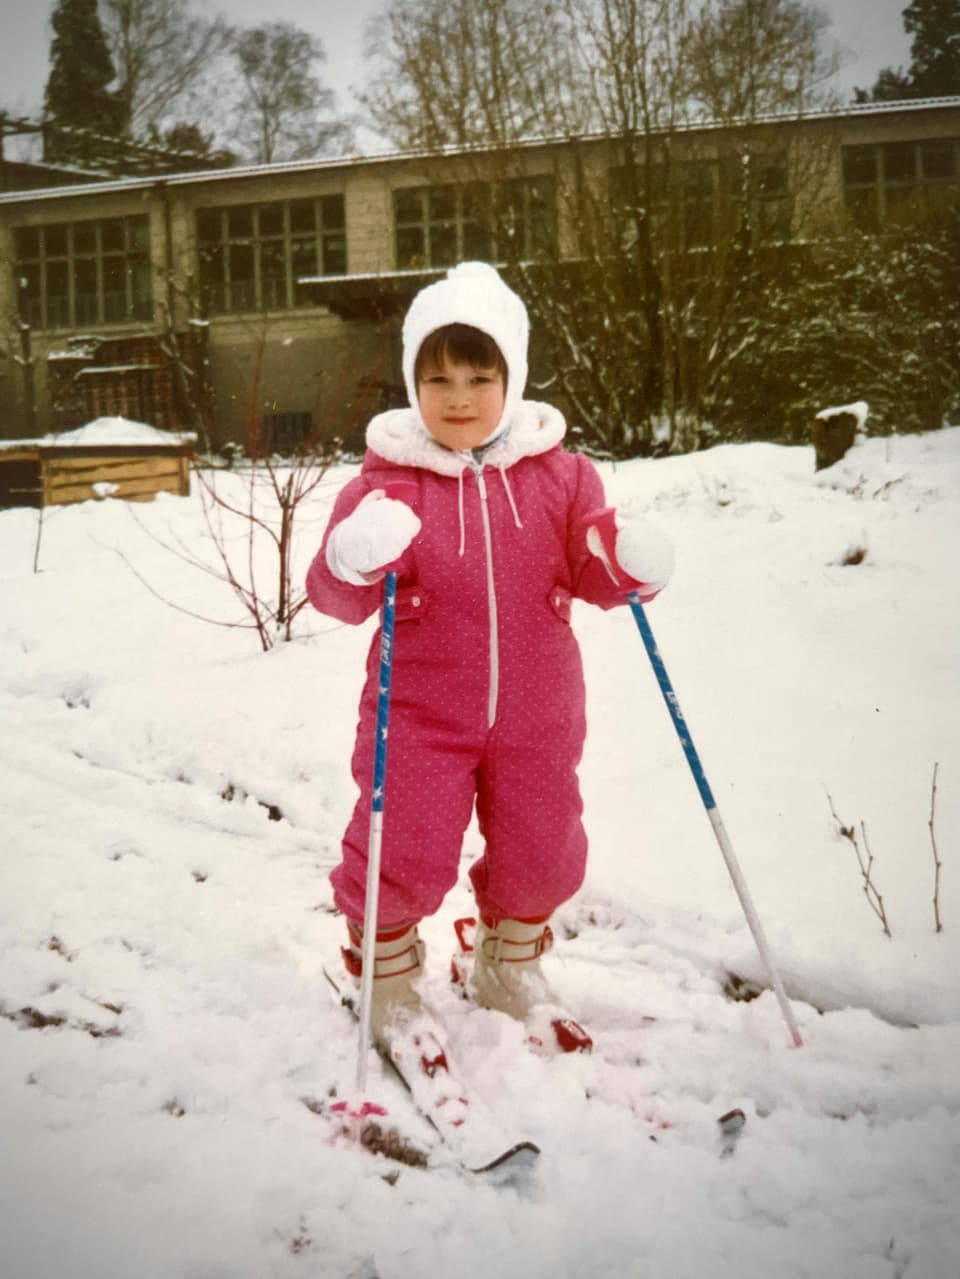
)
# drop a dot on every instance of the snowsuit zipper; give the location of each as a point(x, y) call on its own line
point(491, 602)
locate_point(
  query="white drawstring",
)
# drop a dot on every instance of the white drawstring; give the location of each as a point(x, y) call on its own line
point(513, 506)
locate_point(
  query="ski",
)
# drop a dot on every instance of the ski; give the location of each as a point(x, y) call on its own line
point(464, 1133)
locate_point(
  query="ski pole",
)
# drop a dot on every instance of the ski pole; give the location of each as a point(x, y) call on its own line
point(710, 804)
point(375, 841)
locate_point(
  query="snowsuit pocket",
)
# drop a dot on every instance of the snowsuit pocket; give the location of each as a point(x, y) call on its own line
point(413, 602)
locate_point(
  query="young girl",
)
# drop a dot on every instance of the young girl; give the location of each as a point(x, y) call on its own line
point(496, 534)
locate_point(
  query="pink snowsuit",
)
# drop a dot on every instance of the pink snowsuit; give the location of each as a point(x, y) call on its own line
point(487, 686)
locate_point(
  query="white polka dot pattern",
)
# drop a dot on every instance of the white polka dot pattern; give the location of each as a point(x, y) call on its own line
point(444, 757)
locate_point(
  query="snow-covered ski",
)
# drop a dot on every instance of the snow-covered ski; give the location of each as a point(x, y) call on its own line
point(465, 1134)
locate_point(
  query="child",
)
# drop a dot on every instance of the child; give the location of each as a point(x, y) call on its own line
point(491, 545)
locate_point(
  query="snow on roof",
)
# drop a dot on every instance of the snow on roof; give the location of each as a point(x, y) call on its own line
point(404, 273)
point(96, 369)
point(103, 432)
point(317, 163)
point(72, 353)
point(113, 430)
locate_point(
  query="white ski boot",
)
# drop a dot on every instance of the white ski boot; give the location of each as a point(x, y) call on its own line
point(397, 966)
point(498, 966)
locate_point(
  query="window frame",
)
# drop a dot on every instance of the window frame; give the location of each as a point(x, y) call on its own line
point(473, 223)
point(80, 257)
point(268, 232)
point(692, 189)
point(874, 194)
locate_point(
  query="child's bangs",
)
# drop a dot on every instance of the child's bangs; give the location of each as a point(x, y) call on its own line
point(460, 344)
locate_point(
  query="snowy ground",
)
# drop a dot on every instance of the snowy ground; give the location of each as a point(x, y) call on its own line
point(162, 1008)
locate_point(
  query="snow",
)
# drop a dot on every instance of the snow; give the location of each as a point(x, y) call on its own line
point(104, 432)
point(172, 935)
point(114, 430)
point(859, 409)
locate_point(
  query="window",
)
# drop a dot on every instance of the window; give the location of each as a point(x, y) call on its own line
point(85, 274)
point(286, 433)
point(770, 196)
point(699, 199)
point(525, 218)
point(897, 181)
point(252, 255)
point(507, 221)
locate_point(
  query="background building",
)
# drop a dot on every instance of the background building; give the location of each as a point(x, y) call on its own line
point(266, 300)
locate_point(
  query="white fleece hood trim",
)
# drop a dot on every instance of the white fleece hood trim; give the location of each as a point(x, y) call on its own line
point(399, 436)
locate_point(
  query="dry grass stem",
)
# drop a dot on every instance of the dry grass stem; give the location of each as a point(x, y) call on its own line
point(870, 891)
point(938, 922)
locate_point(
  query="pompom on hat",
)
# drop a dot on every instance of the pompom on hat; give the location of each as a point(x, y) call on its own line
point(472, 293)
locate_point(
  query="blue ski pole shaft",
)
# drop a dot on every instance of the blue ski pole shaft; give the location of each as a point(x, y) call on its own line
point(710, 804)
point(375, 841)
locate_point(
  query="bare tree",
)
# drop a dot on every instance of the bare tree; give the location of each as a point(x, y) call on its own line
point(752, 58)
point(680, 240)
point(284, 112)
point(461, 72)
point(250, 516)
point(163, 53)
point(666, 220)
point(632, 54)
point(669, 206)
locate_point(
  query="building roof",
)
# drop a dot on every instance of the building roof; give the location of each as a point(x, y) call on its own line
point(144, 182)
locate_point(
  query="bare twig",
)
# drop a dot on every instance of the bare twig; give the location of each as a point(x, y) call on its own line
point(36, 547)
point(938, 922)
point(870, 891)
point(250, 523)
point(869, 888)
point(264, 518)
point(179, 608)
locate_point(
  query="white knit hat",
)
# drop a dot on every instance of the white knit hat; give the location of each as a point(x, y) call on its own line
point(472, 293)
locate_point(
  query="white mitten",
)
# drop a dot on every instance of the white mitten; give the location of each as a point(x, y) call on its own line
point(373, 535)
point(643, 551)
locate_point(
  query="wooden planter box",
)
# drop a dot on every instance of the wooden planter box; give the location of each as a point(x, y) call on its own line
point(35, 474)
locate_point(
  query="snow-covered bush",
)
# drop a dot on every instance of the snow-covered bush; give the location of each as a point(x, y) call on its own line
point(860, 316)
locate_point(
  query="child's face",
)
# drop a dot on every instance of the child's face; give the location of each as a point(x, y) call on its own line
point(460, 404)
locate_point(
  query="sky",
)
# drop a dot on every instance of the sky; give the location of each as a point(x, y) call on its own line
point(869, 32)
